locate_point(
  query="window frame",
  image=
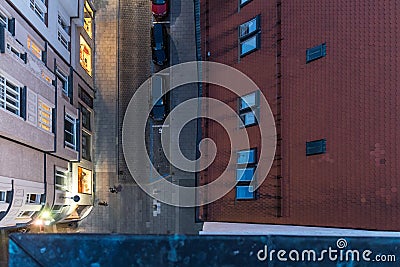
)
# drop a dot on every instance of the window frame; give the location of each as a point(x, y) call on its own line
point(88, 64)
point(49, 112)
point(73, 121)
point(21, 214)
point(322, 147)
point(64, 174)
point(253, 109)
point(4, 19)
point(34, 48)
point(39, 8)
point(257, 46)
point(311, 53)
point(240, 187)
point(256, 20)
point(7, 92)
point(87, 9)
point(3, 193)
point(63, 31)
point(88, 147)
point(64, 78)
point(37, 200)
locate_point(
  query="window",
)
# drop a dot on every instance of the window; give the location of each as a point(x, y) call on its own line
point(3, 196)
point(246, 156)
point(70, 131)
point(33, 199)
point(63, 32)
point(85, 56)
point(86, 114)
point(248, 105)
point(316, 147)
point(243, 2)
point(61, 180)
point(315, 53)
point(34, 48)
point(84, 181)
point(249, 45)
point(245, 173)
point(9, 96)
point(27, 213)
point(64, 81)
point(88, 19)
point(45, 116)
point(244, 192)
point(85, 97)
point(249, 36)
point(39, 7)
point(249, 27)
point(3, 20)
point(13, 50)
point(86, 145)
point(58, 208)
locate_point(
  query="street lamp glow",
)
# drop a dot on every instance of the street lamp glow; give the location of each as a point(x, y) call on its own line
point(45, 214)
point(47, 222)
point(39, 222)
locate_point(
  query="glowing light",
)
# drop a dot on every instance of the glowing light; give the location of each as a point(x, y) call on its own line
point(39, 222)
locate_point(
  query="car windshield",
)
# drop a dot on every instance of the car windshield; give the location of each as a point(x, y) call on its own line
point(159, 2)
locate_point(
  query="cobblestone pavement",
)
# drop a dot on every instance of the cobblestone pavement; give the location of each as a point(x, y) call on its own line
point(118, 74)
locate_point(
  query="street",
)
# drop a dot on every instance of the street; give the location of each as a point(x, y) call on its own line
point(131, 210)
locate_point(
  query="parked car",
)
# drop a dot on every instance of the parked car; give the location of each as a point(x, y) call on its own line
point(159, 100)
point(158, 43)
point(159, 8)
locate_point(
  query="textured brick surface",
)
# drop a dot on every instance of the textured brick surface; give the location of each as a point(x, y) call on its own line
point(348, 97)
point(220, 39)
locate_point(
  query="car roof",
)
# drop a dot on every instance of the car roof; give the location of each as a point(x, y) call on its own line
point(158, 32)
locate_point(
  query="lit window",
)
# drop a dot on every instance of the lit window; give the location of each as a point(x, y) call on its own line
point(84, 181)
point(88, 19)
point(85, 56)
point(45, 116)
point(315, 53)
point(9, 96)
point(244, 192)
point(64, 81)
point(3, 196)
point(63, 32)
point(70, 131)
point(316, 147)
point(245, 174)
point(33, 199)
point(34, 48)
point(39, 7)
point(61, 180)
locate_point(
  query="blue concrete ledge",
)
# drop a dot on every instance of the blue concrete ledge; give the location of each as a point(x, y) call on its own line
point(96, 250)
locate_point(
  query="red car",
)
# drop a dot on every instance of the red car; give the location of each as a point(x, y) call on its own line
point(159, 8)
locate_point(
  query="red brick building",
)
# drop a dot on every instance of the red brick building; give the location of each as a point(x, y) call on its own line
point(329, 70)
